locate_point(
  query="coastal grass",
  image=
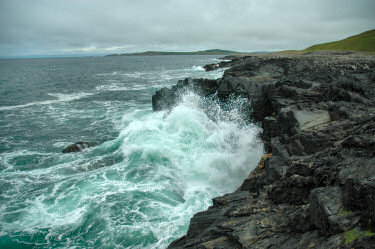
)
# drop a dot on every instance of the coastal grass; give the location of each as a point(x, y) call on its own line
point(364, 42)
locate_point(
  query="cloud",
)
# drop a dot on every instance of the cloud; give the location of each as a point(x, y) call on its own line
point(117, 26)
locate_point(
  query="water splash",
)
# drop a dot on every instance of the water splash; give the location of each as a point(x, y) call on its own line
point(137, 191)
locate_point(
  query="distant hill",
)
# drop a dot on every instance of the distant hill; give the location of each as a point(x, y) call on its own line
point(364, 42)
point(205, 52)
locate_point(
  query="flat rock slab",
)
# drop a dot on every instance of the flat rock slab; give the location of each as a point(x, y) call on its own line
point(312, 120)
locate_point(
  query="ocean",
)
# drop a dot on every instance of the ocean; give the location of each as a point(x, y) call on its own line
point(148, 175)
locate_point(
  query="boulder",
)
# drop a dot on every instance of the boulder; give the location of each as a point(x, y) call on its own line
point(328, 213)
point(78, 146)
point(211, 67)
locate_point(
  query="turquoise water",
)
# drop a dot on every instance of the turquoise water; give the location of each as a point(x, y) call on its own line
point(150, 172)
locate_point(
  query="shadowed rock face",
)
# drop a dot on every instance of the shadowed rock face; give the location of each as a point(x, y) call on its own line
point(316, 187)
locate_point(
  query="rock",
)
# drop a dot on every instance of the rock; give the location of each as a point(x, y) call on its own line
point(359, 194)
point(316, 186)
point(167, 98)
point(163, 99)
point(77, 147)
point(311, 120)
point(367, 242)
point(327, 211)
point(211, 67)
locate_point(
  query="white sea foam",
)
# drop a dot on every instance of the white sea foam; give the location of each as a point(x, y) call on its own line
point(198, 153)
point(106, 74)
point(146, 75)
point(112, 87)
point(197, 68)
point(60, 97)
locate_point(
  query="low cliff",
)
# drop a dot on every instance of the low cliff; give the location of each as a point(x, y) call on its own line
point(315, 187)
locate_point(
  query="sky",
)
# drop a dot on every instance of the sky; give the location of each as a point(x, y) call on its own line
point(93, 27)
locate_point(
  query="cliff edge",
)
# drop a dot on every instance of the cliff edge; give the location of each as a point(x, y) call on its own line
point(315, 187)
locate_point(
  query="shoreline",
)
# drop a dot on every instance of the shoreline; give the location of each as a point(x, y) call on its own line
point(315, 187)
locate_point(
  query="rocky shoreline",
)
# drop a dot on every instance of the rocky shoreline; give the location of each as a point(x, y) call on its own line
point(315, 187)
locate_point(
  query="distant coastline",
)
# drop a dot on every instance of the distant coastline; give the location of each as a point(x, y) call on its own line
point(205, 52)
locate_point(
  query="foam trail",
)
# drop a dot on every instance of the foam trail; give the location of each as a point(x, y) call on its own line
point(60, 98)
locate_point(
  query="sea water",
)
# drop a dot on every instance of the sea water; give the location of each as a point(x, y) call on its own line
point(149, 173)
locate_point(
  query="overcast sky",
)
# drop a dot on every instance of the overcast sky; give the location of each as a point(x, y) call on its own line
point(58, 27)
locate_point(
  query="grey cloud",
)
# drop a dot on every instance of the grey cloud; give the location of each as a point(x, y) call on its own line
point(92, 27)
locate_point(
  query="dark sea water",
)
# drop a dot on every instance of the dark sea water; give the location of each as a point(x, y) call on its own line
point(150, 172)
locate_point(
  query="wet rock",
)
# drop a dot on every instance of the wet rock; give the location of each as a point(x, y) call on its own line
point(167, 98)
point(211, 67)
point(163, 99)
point(78, 146)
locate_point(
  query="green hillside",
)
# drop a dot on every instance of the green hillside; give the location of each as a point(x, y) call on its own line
point(364, 42)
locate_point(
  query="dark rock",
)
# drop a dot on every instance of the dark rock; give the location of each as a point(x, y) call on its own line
point(316, 187)
point(211, 67)
point(359, 194)
point(368, 242)
point(167, 98)
point(301, 221)
point(79, 146)
point(326, 211)
point(163, 99)
point(338, 113)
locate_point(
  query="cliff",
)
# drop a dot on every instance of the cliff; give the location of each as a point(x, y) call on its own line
point(315, 187)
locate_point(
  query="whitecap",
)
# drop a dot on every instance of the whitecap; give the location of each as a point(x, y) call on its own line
point(197, 68)
point(60, 98)
point(112, 87)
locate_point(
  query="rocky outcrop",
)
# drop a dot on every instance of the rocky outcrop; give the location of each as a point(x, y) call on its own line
point(78, 146)
point(166, 98)
point(214, 66)
point(211, 67)
point(315, 188)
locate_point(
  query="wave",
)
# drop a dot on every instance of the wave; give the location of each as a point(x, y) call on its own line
point(60, 97)
point(106, 74)
point(113, 87)
point(166, 75)
point(138, 189)
point(197, 68)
